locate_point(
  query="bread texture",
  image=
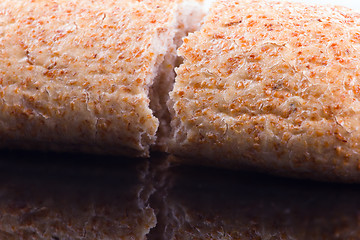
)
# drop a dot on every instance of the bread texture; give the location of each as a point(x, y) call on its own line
point(264, 85)
point(189, 17)
point(272, 86)
point(76, 75)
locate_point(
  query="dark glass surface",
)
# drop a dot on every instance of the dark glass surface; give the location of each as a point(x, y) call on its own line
point(75, 196)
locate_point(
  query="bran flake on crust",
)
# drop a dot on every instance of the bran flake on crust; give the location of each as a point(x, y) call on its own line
point(271, 85)
point(75, 75)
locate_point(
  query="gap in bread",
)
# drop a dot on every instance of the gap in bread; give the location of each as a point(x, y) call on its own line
point(189, 15)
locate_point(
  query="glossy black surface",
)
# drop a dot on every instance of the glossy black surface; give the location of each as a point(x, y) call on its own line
point(219, 204)
point(71, 196)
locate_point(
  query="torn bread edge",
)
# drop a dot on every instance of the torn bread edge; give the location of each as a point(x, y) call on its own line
point(189, 16)
point(80, 113)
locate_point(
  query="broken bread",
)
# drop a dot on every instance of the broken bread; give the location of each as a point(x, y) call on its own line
point(77, 75)
point(264, 85)
point(272, 86)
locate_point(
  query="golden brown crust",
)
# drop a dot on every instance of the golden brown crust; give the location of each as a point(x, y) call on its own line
point(78, 72)
point(273, 85)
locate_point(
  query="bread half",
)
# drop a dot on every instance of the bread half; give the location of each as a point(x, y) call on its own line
point(76, 75)
point(271, 85)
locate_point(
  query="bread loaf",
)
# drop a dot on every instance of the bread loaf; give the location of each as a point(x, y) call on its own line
point(264, 85)
point(272, 86)
point(78, 75)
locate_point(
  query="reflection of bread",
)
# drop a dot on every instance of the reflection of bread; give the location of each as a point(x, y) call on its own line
point(75, 75)
point(271, 85)
point(91, 198)
point(202, 203)
point(72, 200)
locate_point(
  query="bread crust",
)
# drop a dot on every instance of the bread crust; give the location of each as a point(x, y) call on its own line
point(271, 85)
point(75, 75)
